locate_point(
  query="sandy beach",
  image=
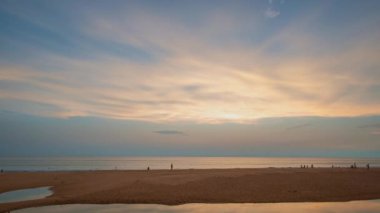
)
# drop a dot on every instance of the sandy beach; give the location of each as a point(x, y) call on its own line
point(196, 186)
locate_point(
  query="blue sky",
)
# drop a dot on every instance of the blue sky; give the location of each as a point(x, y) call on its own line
point(256, 78)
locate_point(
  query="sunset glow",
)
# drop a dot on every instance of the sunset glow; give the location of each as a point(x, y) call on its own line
point(222, 65)
point(193, 63)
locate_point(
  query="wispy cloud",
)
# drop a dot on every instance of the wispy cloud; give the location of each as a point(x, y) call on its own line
point(375, 125)
point(272, 13)
point(170, 132)
point(374, 128)
point(298, 126)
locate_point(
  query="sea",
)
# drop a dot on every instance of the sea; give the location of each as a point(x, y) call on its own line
point(141, 163)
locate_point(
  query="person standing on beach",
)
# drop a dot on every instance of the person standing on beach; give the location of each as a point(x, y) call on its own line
point(171, 166)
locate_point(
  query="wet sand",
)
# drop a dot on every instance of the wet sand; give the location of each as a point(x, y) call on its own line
point(196, 186)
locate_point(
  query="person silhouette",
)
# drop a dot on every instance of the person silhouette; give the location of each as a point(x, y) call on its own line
point(171, 166)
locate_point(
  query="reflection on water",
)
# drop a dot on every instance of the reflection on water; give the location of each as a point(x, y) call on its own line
point(25, 194)
point(372, 206)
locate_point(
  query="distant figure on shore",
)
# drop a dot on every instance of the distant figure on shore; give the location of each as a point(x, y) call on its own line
point(171, 166)
point(367, 166)
point(148, 168)
point(353, 166)
point(312, 166)
point(332, 166)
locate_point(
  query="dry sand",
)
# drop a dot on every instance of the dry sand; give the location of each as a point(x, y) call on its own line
point(196, 186)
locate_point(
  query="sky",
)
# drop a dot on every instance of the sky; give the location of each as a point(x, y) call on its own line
point(193, 78)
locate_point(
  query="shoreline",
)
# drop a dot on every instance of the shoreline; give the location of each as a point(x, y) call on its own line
point(179, 169)
point(257, 185)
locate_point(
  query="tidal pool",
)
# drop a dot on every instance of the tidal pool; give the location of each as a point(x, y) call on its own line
point(25, 194)
point(371, 206)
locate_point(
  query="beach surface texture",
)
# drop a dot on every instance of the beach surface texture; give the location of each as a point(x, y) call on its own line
point(196, 186)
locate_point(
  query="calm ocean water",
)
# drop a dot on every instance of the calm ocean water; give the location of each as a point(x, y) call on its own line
point(141, 163)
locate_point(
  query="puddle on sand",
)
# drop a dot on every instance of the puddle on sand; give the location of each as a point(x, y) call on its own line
point(370, 206)
point(25, 194)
